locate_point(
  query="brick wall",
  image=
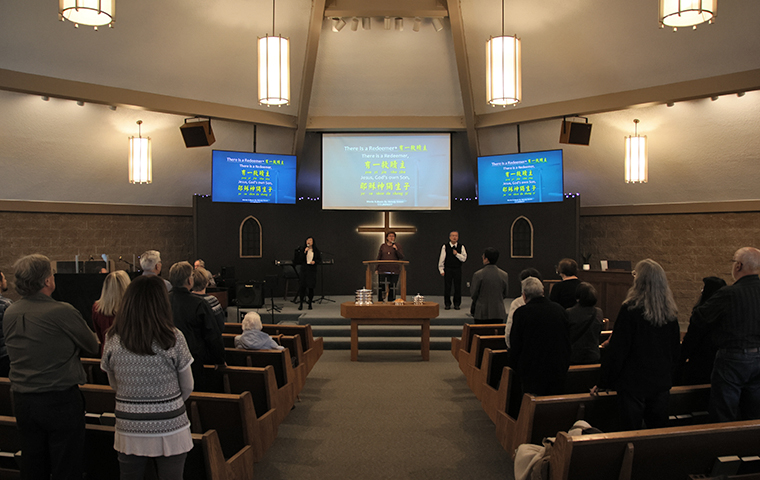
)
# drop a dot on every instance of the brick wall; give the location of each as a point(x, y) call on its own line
point(60, 236)
point(688, 246)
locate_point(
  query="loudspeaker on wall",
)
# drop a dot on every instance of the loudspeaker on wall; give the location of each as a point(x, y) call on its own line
point(250, 294)
point(197, 134)
point(575, 133)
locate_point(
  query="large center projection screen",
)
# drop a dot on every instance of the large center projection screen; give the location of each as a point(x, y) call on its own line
point(386, 172)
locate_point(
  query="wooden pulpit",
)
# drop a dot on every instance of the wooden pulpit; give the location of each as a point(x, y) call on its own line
point(401, 278)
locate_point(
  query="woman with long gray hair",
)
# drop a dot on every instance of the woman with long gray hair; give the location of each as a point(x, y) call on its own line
point(643, 350)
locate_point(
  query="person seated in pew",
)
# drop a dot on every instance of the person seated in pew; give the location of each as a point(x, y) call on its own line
point(540, 350)
point(253, 338)
point(698, 347)
point(519, 301)
point(148, 365)
point(643, 351)
point(104, 308)
point(200, 282)
point(585, 322)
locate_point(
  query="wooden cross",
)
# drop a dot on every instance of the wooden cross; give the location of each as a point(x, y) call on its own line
point(387, 227)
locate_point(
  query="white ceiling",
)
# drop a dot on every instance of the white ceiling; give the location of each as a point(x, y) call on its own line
point(205, 51)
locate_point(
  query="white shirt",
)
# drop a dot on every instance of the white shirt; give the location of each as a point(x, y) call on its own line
point(462, 255)
point(516, 303)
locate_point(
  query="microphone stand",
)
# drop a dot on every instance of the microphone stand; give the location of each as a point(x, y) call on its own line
point(322, 297)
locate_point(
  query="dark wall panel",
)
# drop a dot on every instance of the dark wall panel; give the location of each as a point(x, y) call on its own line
point(285, 227)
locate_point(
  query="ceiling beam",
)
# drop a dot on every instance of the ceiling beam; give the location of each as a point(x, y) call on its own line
point(661, 94)
point(463, 69)
point(386, 8)
point(428, 123)
point(307, 78)
point(91, 93)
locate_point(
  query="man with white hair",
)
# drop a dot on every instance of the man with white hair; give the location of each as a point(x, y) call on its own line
point(540, 341)
point(734, 312)
point(150, 262)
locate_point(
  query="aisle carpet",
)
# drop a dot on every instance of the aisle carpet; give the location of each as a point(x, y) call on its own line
point(388, 416)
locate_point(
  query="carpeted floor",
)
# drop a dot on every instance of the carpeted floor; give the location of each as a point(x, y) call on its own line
point(388, 416)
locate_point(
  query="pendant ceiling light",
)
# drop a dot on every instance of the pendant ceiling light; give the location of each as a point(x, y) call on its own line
point(636, 157)
point(503, 75)
point(274, 68)
point(140, 158)
point(687, 13)
point(95, 13)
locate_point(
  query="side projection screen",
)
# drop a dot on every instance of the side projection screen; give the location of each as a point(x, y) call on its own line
point(533, 177)
point(253, 177)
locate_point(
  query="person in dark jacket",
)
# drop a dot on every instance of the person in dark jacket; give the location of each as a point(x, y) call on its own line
point(698, 348)
point(585, 323)
point(564, 291)
point(308, 257)
point(643, 350)
point(195, 319)
point(540, 350)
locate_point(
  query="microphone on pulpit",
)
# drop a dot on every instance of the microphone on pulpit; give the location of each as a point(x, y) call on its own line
point(121, 259)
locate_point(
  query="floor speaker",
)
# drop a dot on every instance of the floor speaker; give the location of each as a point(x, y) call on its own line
point(250, 294)
point(575, 133)
point(197, 134)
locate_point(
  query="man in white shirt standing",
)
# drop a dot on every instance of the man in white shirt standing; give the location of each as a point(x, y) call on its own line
point(453, 255)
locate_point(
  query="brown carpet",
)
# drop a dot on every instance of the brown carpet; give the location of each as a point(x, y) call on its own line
point(388, 416)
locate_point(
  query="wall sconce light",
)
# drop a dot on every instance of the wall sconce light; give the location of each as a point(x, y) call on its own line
point(438, 24)
point(95, 13)
point(687, 13)
point(366, 23)
point(399, 24)
point(140, 158)
point(417, 24)
point(636, 157)
point(274, 68)
point(354, 24)
point(387, 23)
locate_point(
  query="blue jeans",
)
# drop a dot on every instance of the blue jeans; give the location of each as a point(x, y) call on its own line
point(735, 393)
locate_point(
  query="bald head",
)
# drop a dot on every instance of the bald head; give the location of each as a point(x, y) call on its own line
point(746, 262)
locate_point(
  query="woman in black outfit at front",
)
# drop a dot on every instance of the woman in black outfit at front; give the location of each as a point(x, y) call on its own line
point(308, 257)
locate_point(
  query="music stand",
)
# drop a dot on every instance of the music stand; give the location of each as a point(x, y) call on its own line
point(271, 282)
point(322, 281)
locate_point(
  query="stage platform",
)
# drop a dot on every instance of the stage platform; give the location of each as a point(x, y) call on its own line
point(326, 322)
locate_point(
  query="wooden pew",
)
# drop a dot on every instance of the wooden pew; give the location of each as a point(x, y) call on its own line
point(204, 462)
point(460, 347)
point(475, 375)
point(312, 347)
point(232, 416)
point(541, 417)
point(661, 453)
point(293, 344)
point(284, 373)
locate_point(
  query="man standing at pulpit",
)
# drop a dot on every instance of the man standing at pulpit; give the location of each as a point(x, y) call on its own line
point(453, 255)
point(387, 274)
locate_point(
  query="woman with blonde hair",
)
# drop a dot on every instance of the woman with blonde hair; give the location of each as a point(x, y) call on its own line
point(104, 309)
point(148, 364)
point(643, 350)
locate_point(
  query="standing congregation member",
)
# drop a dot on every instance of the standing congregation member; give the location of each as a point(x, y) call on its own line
point(387, 274)
point(150, 262)
point(453, 255)
point(148, 365)
point(5, 363)
point(45, 339)
point(201, 264)
point(489, 289)
point(519, 301)
point(104, 309)
point(643, 350)
point(735, 312)
point(308, 257)
point(564, 291)
point(200, 283)
point(540, 343)
point(585, 321)
point(192, 315)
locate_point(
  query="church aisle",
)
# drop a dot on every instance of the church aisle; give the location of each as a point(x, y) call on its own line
point(388, 416)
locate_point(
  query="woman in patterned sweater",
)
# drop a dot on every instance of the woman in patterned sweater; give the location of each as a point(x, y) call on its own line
point(148, 364)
